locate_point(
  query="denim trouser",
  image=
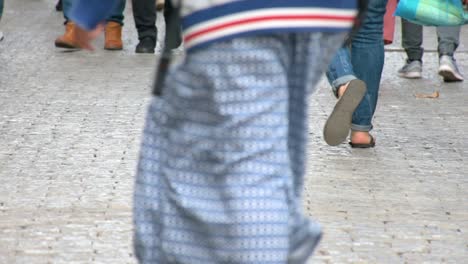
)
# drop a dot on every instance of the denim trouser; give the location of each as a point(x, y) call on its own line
point(116, 14)
point(222, 159)
point(412, 35)
point(364, 60)
point(1, 9)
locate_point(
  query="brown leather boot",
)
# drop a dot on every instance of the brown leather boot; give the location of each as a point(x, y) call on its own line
point(67, 40)
point(113, 36)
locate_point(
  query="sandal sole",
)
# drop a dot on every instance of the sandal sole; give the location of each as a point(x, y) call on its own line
point(337, 127)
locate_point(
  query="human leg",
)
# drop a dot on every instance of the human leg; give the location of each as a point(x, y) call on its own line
point(168, 12)
point(66, 5)
point(340, 71)
point(144, 14)
point(214, 182)
point(204, 173)
point(302, 79)
point(412, 36)
point(113, 29)
point(412, 43)
point(367, 56)
point(343, 81)
point(67, 40)
point(448, 39)
point(117, 14)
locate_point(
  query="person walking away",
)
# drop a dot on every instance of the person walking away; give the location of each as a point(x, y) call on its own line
point(113, 27)
point(354, 75)
point(448, 41)
point(144, 13)
point(221, 166)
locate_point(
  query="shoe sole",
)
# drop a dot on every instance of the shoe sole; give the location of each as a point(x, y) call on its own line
point(448, 75)
point(371, 144)
point(411, 75)
point(113, 48)
point(337, 127)
point(144, 51)
point(65, 46)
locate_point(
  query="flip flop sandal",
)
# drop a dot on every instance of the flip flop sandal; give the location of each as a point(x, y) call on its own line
point(337, 127)
point(371, 144)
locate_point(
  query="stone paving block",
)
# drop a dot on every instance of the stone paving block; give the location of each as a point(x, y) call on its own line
point(70, 127)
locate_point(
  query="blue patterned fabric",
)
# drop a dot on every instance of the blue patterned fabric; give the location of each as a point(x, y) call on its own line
point(222, 159)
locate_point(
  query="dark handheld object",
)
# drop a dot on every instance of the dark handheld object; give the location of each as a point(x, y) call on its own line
point(172, 40)
point(161, 73)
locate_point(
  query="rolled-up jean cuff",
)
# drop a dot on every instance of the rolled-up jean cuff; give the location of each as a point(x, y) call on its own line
point(120, 21)
point(362, 128)
point(340, 81)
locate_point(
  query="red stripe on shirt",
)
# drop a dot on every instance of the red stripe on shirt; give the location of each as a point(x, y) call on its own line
point(266, 18)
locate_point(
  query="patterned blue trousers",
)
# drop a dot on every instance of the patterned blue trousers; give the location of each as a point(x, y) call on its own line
point(222, 159)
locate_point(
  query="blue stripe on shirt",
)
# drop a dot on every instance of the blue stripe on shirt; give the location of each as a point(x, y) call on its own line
point(233, 7)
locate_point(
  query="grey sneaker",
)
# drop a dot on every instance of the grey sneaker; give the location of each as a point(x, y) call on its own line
point(411, 70)
point(449, 70)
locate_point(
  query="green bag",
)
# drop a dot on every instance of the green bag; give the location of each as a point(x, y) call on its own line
point(433, 12)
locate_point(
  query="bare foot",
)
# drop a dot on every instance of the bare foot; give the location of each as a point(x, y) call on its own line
point(342, 89)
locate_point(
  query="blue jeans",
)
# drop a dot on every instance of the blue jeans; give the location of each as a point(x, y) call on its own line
point(1, 9)
point(364, 60)
point(116, 14)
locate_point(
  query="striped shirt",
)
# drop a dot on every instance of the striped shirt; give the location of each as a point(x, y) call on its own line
point(208, 21)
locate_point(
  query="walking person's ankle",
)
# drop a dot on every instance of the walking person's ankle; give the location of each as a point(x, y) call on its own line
point(342, 89)
point(360, 137)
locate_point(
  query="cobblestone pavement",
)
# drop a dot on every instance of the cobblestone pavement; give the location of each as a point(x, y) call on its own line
point(70, 125)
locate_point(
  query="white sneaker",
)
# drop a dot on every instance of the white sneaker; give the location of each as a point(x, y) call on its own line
point(448, 69)
point(1, 36)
